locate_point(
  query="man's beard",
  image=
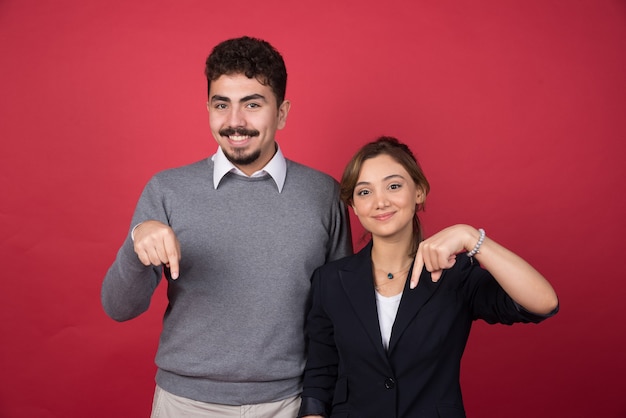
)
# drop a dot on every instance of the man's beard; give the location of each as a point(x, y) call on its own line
point(239, 156)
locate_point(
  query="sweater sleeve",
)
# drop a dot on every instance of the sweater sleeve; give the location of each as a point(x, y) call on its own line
point(128, 285)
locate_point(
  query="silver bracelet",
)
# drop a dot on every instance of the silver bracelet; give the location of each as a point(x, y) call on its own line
point(476, 248)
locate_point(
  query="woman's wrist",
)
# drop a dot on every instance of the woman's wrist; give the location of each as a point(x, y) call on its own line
point(479, 242)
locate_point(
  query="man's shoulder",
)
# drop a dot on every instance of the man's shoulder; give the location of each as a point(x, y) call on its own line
point(198, 168)
point(308, 174)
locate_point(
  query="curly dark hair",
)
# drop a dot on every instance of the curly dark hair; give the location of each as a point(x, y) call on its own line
point(252, 57)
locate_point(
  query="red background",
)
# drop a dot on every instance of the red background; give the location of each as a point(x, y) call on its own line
point(516, 110)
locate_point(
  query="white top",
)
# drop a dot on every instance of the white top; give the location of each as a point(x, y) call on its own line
point(276, 168)
point(387, 310)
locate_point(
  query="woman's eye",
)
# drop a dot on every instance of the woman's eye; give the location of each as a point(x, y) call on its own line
point(362, 192)
point(395, 186)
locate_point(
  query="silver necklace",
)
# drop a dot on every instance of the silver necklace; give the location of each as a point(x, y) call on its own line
point(391, 275)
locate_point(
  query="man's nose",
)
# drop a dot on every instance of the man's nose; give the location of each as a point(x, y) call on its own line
point(236, 118)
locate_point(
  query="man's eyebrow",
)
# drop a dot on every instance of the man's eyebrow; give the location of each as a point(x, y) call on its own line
point(256, 96)
point(218, 98)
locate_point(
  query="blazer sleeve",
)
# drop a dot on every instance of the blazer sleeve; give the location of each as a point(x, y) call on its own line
point(489, 302)
point(320, 373)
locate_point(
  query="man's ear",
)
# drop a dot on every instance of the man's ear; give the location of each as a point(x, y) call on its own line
point(283, 111)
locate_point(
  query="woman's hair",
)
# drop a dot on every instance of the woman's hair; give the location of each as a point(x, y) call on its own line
point(386, 145)
point(253, 57)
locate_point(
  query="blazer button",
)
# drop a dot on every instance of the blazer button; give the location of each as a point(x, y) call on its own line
point(390, 383)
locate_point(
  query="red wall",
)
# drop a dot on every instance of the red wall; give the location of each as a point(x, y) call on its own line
point(516, 110)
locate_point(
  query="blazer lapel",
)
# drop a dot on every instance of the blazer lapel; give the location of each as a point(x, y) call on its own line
point(411, 303)
point(356, 279)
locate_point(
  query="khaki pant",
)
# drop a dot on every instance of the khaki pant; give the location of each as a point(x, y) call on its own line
point(168, 405)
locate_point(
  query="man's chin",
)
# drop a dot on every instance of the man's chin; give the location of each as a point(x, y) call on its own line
point(242, 158)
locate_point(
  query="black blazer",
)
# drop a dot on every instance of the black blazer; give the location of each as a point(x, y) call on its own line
point(349, 373)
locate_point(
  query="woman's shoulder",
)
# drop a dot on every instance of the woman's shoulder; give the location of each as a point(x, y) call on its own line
point(336, 265)
point(351, 263)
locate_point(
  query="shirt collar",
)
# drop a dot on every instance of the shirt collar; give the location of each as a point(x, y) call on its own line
point(276, 168)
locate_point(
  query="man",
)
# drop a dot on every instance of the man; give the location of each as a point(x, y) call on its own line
point(237, 237)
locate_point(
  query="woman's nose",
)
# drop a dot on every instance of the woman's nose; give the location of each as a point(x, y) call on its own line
point(382, 201)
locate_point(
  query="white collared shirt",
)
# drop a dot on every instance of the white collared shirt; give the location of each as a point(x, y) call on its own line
point(276, 168)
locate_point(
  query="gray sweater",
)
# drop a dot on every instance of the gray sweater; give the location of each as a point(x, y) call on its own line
point(233, 329)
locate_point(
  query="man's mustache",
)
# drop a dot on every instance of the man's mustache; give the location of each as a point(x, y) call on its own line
point(238, 131)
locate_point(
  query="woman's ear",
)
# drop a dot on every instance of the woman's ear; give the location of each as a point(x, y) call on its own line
point(420, 196)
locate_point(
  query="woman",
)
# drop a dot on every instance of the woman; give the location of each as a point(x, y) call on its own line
point(381, 347)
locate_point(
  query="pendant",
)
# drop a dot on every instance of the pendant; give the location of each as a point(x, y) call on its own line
point(389, 276)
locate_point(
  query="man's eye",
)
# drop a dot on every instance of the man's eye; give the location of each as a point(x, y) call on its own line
point(220, 106)
point(253, 105)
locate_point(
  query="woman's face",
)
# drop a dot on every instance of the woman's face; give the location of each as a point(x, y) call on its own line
point(385, 198)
